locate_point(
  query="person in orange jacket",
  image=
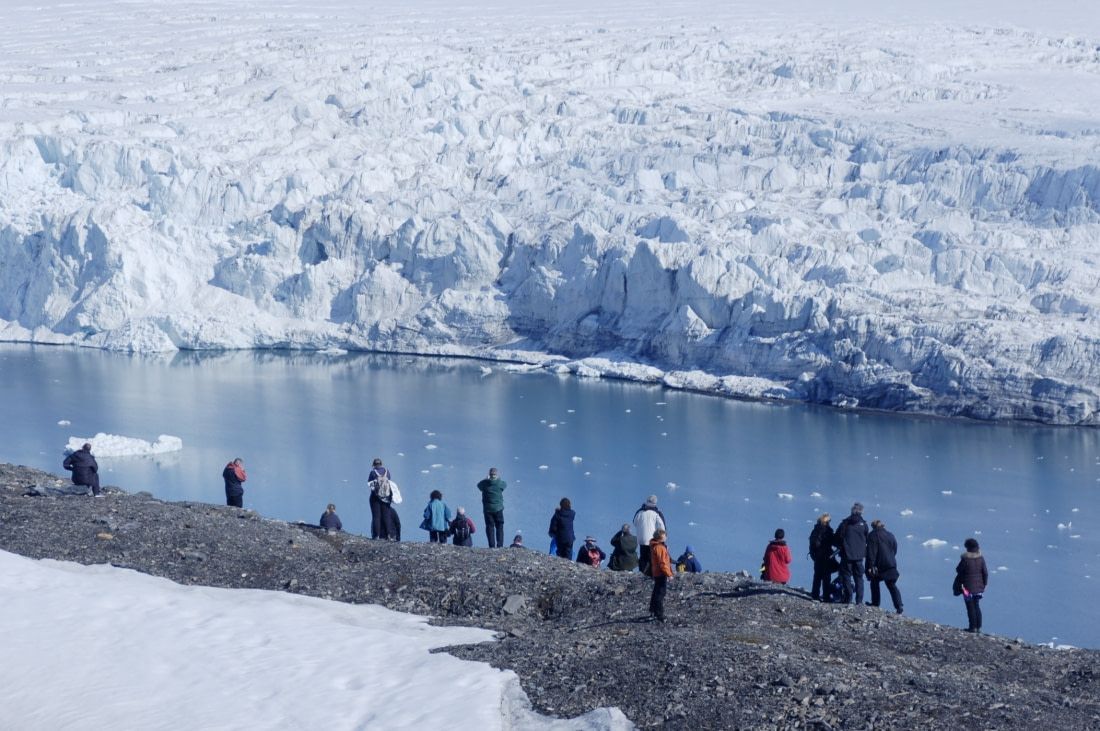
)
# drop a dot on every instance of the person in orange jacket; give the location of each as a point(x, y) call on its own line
point(776, 559)
point(661, 570)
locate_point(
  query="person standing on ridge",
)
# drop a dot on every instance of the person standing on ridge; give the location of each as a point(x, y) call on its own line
point(777, 557)
point(971, 578)
point(492, 502)
point(851, 539)
point(234, 475)
point(84, 468)
point(376, 475)
point(647, 520)
point(882, 564)
point(625, 555)
point(437, 518)
point(821, 553)
point(561, 529)
point(661, 571)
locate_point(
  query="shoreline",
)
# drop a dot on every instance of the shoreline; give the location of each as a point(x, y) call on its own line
point(735, 653)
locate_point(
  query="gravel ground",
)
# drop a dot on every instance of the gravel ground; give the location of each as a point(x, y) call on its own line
point(734, 654)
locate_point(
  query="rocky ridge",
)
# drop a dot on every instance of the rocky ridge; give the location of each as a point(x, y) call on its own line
point(735, 653)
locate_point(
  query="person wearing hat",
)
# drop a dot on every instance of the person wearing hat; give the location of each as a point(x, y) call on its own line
point(851, 539)
point(492, 502)
point(647, 520)
point(625, 555)
point(590, 554)
point(376, 475)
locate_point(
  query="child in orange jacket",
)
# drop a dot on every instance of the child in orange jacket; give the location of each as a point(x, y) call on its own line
point(660, 567)
point(776, 559)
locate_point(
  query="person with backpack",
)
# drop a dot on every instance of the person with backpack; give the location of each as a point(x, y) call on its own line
point(492, 502)
point(851, 539)
point(660, 567)
point(437, 518)
point(86, 470)
point(330, 521)
point(377, 474)
point(882, 564)
point(387, 494)
point(561, 528)
point(590, 554)
point(624, 557)
point(821, 553)
point(971, 578)
point(462, 529)
point(647, 520)
point(233, 475)
point(777, 557)
point(687, 563)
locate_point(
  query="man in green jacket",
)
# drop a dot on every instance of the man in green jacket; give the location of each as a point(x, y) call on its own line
point(492, 500)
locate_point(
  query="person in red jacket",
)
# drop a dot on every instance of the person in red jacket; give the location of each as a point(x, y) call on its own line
point(776, 559)
point(660, 566)
point(234, 475)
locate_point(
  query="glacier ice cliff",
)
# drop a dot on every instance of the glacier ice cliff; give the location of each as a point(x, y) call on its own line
point(874, 214)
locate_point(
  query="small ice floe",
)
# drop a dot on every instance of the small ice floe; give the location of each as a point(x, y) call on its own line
point(784, 496)
point(544, 466)
point(542, 421)
point(64, 422)
point(691, 523)
point(430, 446)
point(552, 425)
point(628, 411)
point(910, 537)
point(934, 543)
point(576, 460)
point(687, 502)
point(906, 513)
point(400, 454)
point(486, 370)
point(665, 434)
point(1075, 510)
point(1065, 526)
point(926, 598)
point(113, 445)
point(332, 351)
point(945, 492)
point(671, 485)
point(1075, 535)
point(570, 411)
point(586, 474)
point(660, 403)
point(1002, 568)
point(427, 472)
point(815, 494)
point(436, 466)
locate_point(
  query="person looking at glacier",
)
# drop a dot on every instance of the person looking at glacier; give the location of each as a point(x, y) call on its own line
point(84, 468)
point(492, 502)
point(851, 539)
point(647, 520)
point(234, 475)
point(377, 473)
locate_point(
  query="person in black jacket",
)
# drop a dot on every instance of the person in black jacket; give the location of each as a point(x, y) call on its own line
point(561, 528)
point(851, 539)
point(625, 555)
point(234, 477)
point(84, 468)
point(590, 554)
point(821, 553)
point(971, 577)
point(882, 564)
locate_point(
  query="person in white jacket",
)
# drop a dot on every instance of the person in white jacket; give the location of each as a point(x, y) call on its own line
point(647, 520)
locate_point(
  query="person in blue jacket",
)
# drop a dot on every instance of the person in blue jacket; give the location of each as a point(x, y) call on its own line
point(561, 528)
point(330, 520)
point(437, 518)
point(688, 563)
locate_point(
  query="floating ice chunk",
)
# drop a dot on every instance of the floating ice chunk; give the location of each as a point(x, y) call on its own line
point(578, 460)
point(945, 492)
point(1002, 568)
point(113, 445)
point(436, 466)
point(552, 426)
point(425, 472)
point(628, 411)
point(64, 422)
point(586, 474)
point(926, 598)
point(687, 502)
point(570, 411)
point(430, 446)
point(665, 434)
point(486, 370)
point(544, 466)
point(400, 454)
point(934, 543)
point(660, 403)
point(784, 496)
point(1075, 535)
point(691, 523)
point(1075, 510)
point(332, 351)
point(907, 512)
point(815, 494)
point(671, 485)
point(1065, 526)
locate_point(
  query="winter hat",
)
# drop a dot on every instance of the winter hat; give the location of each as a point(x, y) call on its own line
point(461, 510)
point(651, 501)
point(689, 549)
point(857, 508)
point(589, 539)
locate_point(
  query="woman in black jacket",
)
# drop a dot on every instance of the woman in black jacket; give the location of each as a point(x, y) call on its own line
point(821, 552)
point(561, 528)
point(882, 564)
point(971, 577)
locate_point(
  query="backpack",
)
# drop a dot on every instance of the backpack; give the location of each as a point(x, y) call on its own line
point(460, 529)
point(594, 556)
point(681, 567)
point(383, 489)
point(840, 591)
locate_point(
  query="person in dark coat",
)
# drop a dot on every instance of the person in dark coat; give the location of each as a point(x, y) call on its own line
point(821, 553)
point(84, 468)
point(561, 528)
point(492, 503)
point(624, 557)
point(590, 554)
point(462, 529)
point(971, 578)
point(851, 539)
point(688, 563)
point(377, 514)
point(234, 475)
point(330, 520)
point(882, 564)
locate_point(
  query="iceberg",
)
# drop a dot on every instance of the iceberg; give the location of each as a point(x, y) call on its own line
point(113, 445)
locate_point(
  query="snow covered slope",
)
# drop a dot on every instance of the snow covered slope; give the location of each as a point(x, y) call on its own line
point(770, 199)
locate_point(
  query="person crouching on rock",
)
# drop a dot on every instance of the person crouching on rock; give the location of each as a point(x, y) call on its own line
point(590, 554)
point(777, 557)
point(84, 468)
point(660, 566)
point(625, 555)
point(330, 520)
point(688, 563)
point(462, 529)
point(234, 475)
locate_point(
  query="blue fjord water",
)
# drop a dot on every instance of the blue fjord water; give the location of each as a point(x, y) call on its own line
point(727, 473)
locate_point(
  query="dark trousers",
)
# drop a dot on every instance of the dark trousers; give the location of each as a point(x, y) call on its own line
point(494, 528)
point(852, 573)
point(823, 580)
point(657, 598)
point(389, 525)
point(974, 612)
point(892, 587)
point(643, 559)
point(92, 481)
point(565, 550)
point(375, 516)
point(235, 500)
point(437, 536)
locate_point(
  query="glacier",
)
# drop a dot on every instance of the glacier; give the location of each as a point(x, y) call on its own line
point(846, 205)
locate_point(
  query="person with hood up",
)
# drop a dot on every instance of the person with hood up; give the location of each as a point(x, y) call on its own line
point(462, 529)
point(561, 528)
point(688, 563)
point(777, 557)
point(971, 578)
point(590, 554)
point(86, 470)
point(437, 518)
point(234, 475)
point(851, 539)
point(624, 557)
point(821, 553)
point(492, 503)
point(330, 520)
point(647, 520)
point(882, 564)
point(661, 571)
